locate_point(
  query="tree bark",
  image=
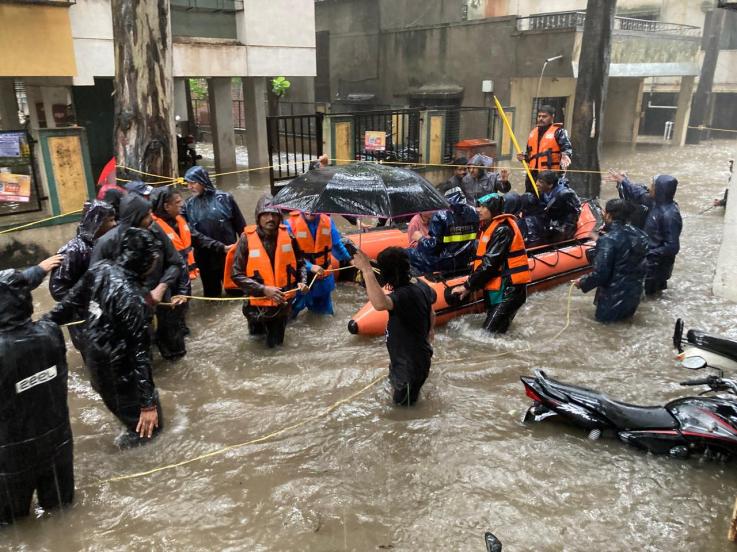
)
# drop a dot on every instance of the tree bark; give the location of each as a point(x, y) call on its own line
point(144, 127)
point(591, 88)
point(703, 97)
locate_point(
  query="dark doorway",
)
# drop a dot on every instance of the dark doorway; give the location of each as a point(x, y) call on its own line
point(95, 112)
point(657, 109)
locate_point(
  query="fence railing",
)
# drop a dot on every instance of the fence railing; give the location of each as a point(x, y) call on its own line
point(576, 19)
point(293, 142)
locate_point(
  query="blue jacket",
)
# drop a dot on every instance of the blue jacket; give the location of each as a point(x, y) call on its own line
point(619, 272)
point(451, 242)
point(663, 223)
point(213, 213)
point(327, 284)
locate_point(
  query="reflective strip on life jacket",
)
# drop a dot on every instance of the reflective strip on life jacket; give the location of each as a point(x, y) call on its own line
point(455, 238)
point(517, 267)
point(546, 154)
point(316, 250)
point(283, 274)
point(182, 242)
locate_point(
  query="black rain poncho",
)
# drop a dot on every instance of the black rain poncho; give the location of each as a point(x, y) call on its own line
point(117, 332)
point(663, 225)
point(619, 272)
point(35, 434)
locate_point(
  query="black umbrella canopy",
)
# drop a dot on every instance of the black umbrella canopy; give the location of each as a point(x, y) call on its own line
point(361, 189)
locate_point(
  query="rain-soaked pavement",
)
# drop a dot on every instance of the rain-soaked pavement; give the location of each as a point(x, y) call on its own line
point(370, 476)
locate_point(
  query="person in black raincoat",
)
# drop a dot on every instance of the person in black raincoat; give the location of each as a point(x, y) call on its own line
point(663, 225)
point(562, 206)
point(118, 334)
point(35, 434)
point(164, 280)
point(98, 218)
point(215, 214)
point(529, 223)
point(451, 241)
point(619, 265)
point(480, 181)
point(269, 320)
point(501, 268)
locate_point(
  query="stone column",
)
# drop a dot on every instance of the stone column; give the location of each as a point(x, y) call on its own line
point(254, 97)
point(221, 124)
point(683, 113)
point(8, 105)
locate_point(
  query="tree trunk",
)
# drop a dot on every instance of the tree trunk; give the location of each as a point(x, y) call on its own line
point(144, 126)
point(703, 96)
point(591, 87)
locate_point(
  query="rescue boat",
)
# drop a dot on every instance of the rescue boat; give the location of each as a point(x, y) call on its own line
point(551, 265)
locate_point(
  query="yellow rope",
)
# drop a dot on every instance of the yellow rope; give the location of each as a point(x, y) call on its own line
point(253, 441)
point(22, 226)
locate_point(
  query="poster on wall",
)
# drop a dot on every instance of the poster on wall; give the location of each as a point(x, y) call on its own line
point(14, 187)
point(374, 140)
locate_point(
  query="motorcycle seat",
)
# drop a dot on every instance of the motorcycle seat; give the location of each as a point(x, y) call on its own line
point(622, 415)
point(713, 343)
point(630, 416)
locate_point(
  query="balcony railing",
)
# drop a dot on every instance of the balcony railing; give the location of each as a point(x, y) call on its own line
point(576, 19)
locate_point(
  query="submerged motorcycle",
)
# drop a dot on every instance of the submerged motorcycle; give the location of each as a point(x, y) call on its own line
point(716, 351)
point(685, 426)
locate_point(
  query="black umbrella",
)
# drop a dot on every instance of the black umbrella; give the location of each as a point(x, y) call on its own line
point(361, 189)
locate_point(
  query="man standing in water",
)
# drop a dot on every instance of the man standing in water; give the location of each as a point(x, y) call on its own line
point(35, 435)
point(267, 266)
point(411, 320)
point(548, 146)
point(118, 334)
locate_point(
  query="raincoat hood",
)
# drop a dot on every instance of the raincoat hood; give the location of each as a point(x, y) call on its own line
point(665, 189)
point(95, 213)
point(159, 197)
point(16, 304)
point(138, 250)
point(264, 205)
point(481, 160)
point(455, 196)
point(512, 203)
point(133, 209)
point(199, 175)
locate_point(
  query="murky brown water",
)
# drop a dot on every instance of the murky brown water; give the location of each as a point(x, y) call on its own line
point(435, 477)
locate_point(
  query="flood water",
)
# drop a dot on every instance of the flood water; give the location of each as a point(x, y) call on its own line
point(369, 476)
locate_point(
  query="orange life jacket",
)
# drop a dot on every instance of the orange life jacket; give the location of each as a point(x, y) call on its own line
point(518, 267)
point(316, 250)
point(182, 242)
point(228, 282)
point(546, 154)
point(283, 274)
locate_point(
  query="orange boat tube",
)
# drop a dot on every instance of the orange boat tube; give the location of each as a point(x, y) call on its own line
point(551, 265)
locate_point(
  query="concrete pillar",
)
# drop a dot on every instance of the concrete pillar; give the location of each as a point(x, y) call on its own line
point(254, 98)
point(221, 124)
point(8, 106)
point(725, 284)
point(683, 113)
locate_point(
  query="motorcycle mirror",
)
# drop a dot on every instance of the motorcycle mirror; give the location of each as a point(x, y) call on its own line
point(694, 363)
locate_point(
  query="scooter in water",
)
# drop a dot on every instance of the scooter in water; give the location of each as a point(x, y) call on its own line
point(682, 427)
point(716, 351)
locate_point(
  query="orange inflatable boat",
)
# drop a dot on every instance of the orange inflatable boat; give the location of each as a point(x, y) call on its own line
point(551, 265)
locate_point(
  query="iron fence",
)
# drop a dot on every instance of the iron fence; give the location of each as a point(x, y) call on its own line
point(294, 141)
point(402, 135)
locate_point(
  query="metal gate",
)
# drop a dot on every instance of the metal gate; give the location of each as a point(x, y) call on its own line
point(293, 141)
point(402, 128)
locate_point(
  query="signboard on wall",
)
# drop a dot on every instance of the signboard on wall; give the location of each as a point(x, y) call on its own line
point(374, 140)
point(16, 174)
point(15, 187)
